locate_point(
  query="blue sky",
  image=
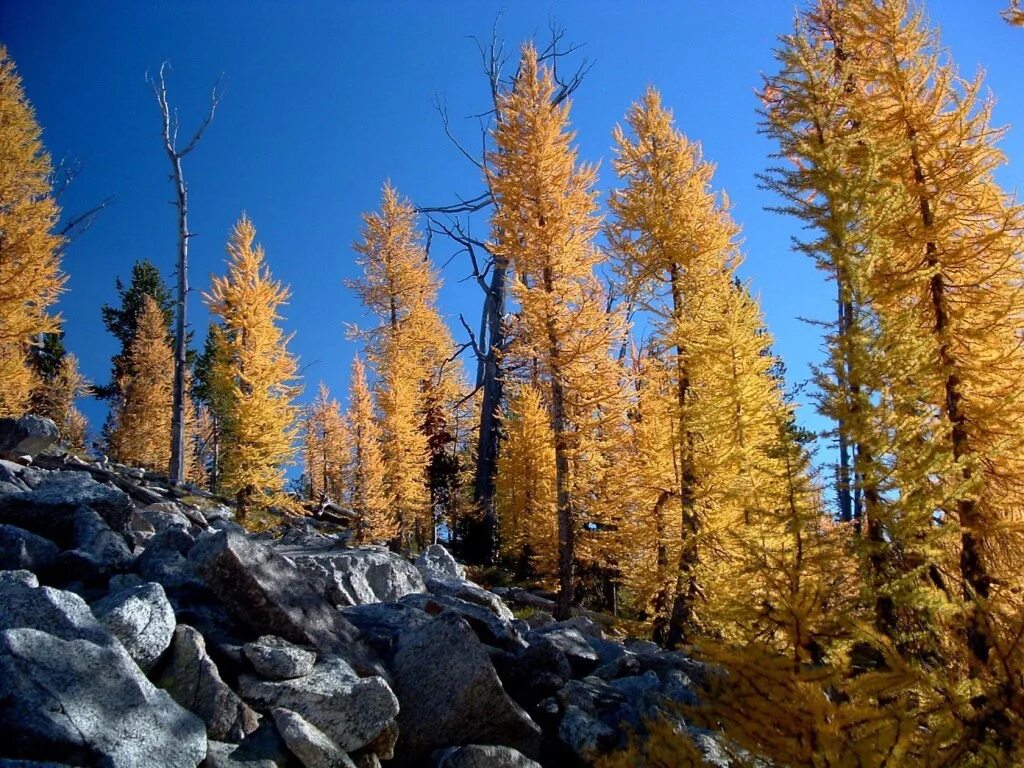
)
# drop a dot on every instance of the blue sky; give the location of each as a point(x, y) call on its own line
point(326, 100)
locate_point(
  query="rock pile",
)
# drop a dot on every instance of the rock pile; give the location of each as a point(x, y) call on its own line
point(138, 628)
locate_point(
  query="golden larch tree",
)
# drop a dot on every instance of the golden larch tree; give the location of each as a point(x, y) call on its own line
point(525, 499)
point(259, 420)
point(377, 521)
point(325, 446)
point(141, 435)
point(30, 276)
point(408, 345)
point(54, 397)
point(545, 219)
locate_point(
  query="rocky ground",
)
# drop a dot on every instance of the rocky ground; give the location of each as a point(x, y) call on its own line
point(140, 627)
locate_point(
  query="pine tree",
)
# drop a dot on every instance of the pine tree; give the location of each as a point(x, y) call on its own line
point(543, 226)
point(377, 519)
point(141, 435)
point(30, 273)
point(325, 438)
point(259, 420)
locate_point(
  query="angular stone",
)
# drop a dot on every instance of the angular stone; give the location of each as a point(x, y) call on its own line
point(488, 627)
point(164, 560)
point(27, 436)
point(351, 710)
point(382, 624)
point(48, 509)
point(471, 593)
point(193, 680)
point(451, 694)
point(570, 642)
point(21, 549)
point(265, 590)
point(277, 659)
point(483, 756)
point(75, 701)
point(20, 577)
point(141, 618)
point(93, 536)
point(436, 562)
point(223, 755)
point(54, 611)
point(363, 575)
point(309, 743)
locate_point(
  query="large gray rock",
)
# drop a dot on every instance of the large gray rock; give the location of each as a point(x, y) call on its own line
point(141, 618)
point(471, 593)
point(269, 593)
point(22, 577)
point(193, 680)
point(451, 694)
point(54, 611)
point(483, 756)
point(75, 701)
point(93, 537)
point(277, 659)
point(436, 562)
point(568, 641)
point(164, 560)
point(363, 575)
point(382, 624)
point(351, 710)
point(309, 743)
point(21, 549)
point(49, 509)
point(27, 436)
point(488, 627)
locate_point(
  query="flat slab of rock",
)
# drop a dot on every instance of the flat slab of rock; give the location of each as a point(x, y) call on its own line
point(351, 710)
point(269, 593)
point(277, 659)
point(27, 436)
point(451, 694)
point(75, 701)
point(193, 680)
point(141, 618)
point(471, 593)
point(54, 611)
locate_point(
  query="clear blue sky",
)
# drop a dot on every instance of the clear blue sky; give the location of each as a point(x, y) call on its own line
point(325, 100)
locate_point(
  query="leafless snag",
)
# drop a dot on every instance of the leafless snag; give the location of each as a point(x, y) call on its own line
point(171, 124)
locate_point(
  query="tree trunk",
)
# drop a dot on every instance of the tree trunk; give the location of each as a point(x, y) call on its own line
point(176, 472)
point(683, 618)
point(480, 544)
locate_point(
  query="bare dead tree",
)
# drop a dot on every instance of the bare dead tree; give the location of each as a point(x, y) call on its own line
point(63, 175)
point(176, 471)
point(489, 271)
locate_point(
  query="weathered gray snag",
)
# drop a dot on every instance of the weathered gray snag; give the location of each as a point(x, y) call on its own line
point(176, 471)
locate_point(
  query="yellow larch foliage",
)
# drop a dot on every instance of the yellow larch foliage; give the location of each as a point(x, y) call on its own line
point(55, 398)
point(409, 347)
point(141, 435)
point(30, 276)
point(544, 222)
point(259, 428)
point(368, 496)
point(325, 447)
point(525, 498)
point(677, 252)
